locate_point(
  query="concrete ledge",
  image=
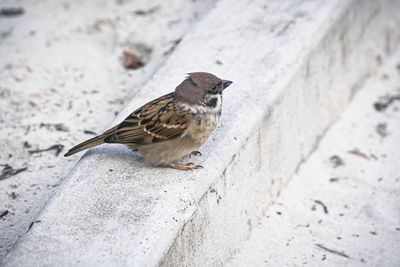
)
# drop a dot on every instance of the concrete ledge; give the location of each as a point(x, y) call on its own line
point(292, 65)
point(357, 230)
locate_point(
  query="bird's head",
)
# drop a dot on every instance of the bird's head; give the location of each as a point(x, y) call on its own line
point(201, 88)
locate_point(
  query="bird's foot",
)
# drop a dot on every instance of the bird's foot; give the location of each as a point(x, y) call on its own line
point(196, 153)
point(184, 167)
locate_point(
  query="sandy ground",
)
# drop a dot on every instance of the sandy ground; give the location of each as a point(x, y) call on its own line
point(62, 80)
point(342, 208)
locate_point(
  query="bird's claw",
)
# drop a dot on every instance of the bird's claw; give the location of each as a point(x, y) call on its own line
point(184, 167)
point(196, 153)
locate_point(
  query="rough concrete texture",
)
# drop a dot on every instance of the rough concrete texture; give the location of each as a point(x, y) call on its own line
point(61, 63)
point(361, 223)
point(292, 64)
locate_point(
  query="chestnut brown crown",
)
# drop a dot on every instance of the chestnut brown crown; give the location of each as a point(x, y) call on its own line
point(193, 89)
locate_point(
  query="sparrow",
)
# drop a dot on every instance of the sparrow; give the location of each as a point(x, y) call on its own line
point(171, 126)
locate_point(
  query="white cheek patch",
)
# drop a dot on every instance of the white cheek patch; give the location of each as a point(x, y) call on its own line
point(214, 101)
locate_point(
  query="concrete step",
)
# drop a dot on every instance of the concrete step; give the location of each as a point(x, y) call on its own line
point(65, 67)
point(292, 63)
point(344, 214)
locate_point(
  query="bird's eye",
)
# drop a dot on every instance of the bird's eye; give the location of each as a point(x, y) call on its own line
point(214, 88)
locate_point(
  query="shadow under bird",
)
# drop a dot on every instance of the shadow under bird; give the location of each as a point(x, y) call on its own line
point(171, 126)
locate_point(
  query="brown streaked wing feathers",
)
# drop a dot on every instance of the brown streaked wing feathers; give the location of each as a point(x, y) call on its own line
point(157, 121)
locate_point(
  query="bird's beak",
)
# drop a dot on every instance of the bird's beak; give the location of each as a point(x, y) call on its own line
point(225, 83)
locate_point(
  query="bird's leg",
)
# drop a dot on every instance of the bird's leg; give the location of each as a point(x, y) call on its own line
point(196, 153)
point(184, 167)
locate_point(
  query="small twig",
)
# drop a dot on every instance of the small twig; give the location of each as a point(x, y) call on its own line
point(383, 104)
point(141, 12)
point(358, 153)
point(32, 223)
point(9, 171)
point(319, 202)
point(89, 132)
point(333, 251)
point(4, 213)
point(58, 149)
point(11, 11)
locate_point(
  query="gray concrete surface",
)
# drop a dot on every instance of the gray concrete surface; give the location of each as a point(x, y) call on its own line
point(61, 63)
point(292, 66)
point(361, 224)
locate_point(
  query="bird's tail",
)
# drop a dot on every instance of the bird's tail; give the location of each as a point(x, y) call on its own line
point(95, 141)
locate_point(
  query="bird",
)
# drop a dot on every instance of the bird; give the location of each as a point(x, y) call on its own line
point(171, 126)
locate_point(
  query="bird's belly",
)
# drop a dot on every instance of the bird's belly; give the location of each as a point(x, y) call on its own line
point(168, 151)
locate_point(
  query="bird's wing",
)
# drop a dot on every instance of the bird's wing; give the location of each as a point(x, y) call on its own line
point(157, 121)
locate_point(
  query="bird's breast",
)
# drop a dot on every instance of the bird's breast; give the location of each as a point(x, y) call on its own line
point(201, 127)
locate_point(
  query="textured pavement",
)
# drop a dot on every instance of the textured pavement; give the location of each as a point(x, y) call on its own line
point(342, 208)
point(295, 68)
point(62, 80)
